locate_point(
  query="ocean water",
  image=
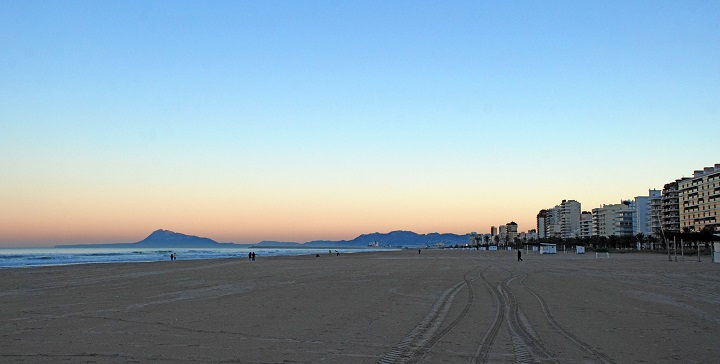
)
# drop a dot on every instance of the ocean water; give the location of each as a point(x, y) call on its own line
point(37, 257)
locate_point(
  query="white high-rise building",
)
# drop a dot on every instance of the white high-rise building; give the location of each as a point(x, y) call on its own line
point(562, 221)
point(569, 219)
point(656, 214)
point(643, 212)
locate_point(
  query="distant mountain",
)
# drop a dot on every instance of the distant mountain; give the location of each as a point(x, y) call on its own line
point(169, 239)
point(277, 244)
point(395, 239)
point(160, 239)
point(166, 239)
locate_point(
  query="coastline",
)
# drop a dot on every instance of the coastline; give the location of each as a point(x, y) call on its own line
point(36, 257)
point(440, 305)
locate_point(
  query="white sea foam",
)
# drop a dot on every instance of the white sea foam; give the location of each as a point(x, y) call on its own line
point(35, 257)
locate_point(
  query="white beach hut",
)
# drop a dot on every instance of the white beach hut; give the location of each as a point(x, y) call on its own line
point(547, 248)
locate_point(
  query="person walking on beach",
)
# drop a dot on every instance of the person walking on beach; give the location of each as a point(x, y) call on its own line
point(253, 256)
point(519, 255)
point(250, 256)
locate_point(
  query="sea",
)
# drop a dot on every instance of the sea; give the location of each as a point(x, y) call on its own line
point(39, 257)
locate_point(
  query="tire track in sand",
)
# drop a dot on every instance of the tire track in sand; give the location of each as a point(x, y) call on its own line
point(527, 348)
point(425, 335)
point(569, 335)
point(481, 354)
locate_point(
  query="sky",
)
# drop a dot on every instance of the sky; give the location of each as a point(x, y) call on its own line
point(245, 121)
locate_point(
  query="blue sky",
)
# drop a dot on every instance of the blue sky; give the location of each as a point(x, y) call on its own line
point(245, 121)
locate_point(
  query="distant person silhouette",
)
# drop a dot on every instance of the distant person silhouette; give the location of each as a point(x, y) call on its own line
point(253, 256)
point(419, 251)
point(519, 255)
point(250, 256)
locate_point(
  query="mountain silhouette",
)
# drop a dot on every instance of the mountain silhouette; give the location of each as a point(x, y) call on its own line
point(167, 239)
point(170, 239)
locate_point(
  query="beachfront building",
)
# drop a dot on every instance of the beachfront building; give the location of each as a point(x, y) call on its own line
point(561, 221)
point(670, 208)
point(553, 228)
point(615, 219)
point(699, 200)
point(643, 214)
point(541, 217)
point(528, 237)
point(512, 232)
point(586, 225)
point(656, 214)
point(493, 231)
point(569, 219)
point(531, 235)
point(625, 219)
point(503, 234)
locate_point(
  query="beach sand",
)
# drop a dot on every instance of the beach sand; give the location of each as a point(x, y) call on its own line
point(441, 306)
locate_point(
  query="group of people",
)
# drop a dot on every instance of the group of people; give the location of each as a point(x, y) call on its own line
point(251, 256)
point(173, 256)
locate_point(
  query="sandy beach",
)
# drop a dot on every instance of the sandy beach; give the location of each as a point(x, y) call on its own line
point(440, 306)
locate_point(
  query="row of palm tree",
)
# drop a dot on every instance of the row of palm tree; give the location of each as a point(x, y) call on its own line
point(690, 239)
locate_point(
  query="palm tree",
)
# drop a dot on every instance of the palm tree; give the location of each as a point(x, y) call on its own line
point(640, 237)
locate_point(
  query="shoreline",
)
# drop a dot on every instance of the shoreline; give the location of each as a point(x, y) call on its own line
point(440, 305)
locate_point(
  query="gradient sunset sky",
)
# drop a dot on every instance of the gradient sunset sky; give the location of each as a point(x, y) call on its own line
point(245, 121)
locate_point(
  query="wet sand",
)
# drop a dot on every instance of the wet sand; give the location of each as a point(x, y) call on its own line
point(391, 307)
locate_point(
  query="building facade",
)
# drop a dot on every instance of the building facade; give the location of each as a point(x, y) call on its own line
point(541, 224)
point(586, 224)
point(643, 212)
point(698, 200)
point(570, 214)
point(670, 208)
point(616, 219)
point(503, 233)
point(512, 232)
point(656, 214)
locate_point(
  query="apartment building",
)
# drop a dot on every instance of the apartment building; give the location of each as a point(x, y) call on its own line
point(562, 221)
point(643, 212)
point(670, 207)
point(569, 219)
point(615, 219)
point(503, 233)
point(541, 224)
point(656, 214)
point(699, 199)
point(512, 231)
point(586, 224)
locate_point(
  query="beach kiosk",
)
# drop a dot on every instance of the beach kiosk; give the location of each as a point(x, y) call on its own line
point(547, 248)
